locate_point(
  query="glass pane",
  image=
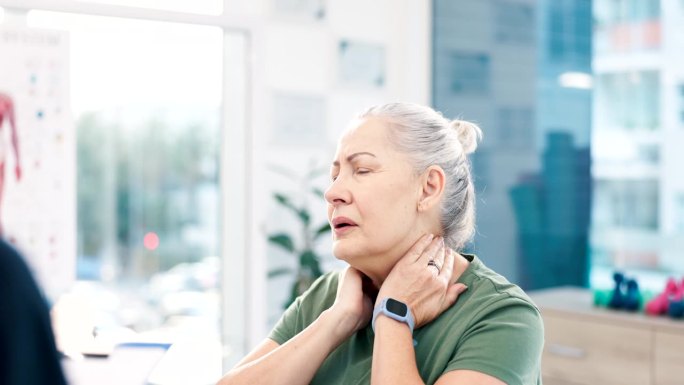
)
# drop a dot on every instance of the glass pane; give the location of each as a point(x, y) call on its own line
point(628, 100)
point(532, 170)
point(636, 146)
point(204, 7)
point(146, 102)
point(629, 25)
point(562, 210)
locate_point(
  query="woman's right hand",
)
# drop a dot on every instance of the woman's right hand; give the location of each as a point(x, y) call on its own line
point(352, 308)
point(428, 293)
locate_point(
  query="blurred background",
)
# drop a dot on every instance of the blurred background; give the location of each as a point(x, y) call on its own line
point(172, 153)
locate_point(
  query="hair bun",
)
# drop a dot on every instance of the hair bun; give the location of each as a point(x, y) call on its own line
point(468, 134)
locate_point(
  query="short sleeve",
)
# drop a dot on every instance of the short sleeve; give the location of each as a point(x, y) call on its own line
point(306, 308)
point(505, 341)
point(285, 328)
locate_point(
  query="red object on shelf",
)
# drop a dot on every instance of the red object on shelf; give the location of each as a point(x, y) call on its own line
point(660, 303)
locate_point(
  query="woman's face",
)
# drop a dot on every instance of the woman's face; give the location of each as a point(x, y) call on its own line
point(372, 199)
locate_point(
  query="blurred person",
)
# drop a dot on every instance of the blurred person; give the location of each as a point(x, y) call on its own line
point(401, 204)
point(28, 355)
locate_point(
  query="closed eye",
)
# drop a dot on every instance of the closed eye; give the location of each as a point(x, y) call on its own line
point(363, 171)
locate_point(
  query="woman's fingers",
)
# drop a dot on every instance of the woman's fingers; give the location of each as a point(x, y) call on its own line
point(452, 294)
point(433, 257)
point(416, 251)
point(439, 257)
point(448, 265)
point(427, 248)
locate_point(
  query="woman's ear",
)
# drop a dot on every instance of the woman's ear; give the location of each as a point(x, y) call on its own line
point(432, 187)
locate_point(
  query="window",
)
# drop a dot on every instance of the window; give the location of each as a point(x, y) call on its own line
point(470, 73)
point(629, 100)
point(501, 68)
point(624, 11)
point(644, 10)
point(147, 171)
point(569, 30)
point(514, 22)
point(625, 224)
point(627, 25)
point(515, 127)
point(679, 209)
point(600, 163)
point(650, 154)
point(635, 204)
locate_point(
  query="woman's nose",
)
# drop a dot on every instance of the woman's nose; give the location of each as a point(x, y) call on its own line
point(337, 193)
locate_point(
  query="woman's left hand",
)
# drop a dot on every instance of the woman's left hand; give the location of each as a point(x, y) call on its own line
point(425, 289)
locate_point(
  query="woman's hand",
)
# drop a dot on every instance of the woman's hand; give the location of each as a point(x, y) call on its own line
point(427, 290)
point(352, 308)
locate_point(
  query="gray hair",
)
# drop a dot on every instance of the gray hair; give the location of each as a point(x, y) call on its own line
point(428, 138)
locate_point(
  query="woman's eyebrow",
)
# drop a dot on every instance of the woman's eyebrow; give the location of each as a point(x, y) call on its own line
point(352, 156)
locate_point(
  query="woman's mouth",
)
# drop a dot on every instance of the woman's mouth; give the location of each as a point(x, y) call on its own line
point(343, 225)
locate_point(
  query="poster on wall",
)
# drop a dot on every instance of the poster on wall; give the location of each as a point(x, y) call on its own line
point(300, 9)
point(362, 64)
point(37, 154)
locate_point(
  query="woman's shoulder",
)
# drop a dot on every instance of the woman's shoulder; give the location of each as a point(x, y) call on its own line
point(306, 308)
point(321, 294)
point(489, 291)
point(325, 283)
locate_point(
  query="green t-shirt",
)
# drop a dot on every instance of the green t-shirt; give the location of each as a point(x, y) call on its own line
point(493, 328)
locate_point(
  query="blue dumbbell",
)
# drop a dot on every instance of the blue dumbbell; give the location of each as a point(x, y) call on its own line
point(632, 300)
point(676, 309)
point(617, 299)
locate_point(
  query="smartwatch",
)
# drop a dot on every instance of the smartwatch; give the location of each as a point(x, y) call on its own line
point(396, 310)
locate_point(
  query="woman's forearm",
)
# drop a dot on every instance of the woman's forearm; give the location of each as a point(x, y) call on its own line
point(394, 359)
point(296, 361)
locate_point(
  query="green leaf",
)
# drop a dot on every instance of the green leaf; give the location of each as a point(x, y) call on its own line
point(304, 216)
point(283, 240)
point(279, 271)
point(309, 260)
point(322, 230)
point(318, 192)
point(285, 201)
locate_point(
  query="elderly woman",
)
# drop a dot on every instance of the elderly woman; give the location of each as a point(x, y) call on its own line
point(401, 204)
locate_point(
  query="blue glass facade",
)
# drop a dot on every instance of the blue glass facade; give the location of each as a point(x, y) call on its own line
point(523, 70)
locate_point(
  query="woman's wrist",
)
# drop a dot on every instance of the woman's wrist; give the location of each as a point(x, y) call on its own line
point(341, 324)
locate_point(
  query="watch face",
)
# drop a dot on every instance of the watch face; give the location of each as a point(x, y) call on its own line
point(396, 307)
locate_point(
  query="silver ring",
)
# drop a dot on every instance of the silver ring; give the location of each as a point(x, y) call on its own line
point(435, 265)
